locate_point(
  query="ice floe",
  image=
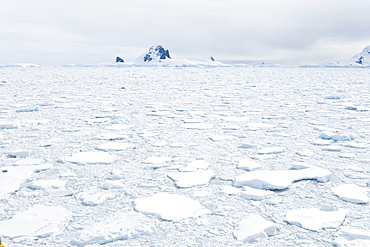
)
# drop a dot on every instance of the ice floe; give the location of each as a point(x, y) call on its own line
point(271, 150)
point(352, 237)
point(255, 194)
point(19, 153)
point(336, 137)
point(253, 227)
point(114, 146)
point(122, 225)
point(351, 193)
point(221, 137)
point(317, 218)
point(280, 179)
point(248, 164)
point(189, 179)
point(157, 161)
point(93, 197)
point(91, 158)
point(199, 126)
point(173, 207)
point(37, 221)
point(11, 177)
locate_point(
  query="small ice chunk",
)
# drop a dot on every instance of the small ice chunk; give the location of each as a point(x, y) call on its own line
point(38, 221)
point(119, 126)
point(114, 146)
point(8, 125)
point(351, 193)
point(230, 190)
point(199, 164)
point(157, 162)
point(120, 226)
point(271, 150)
point(335, 137)
point(192, 120)
point(160, 144)
point(236, 119)
point(91, 158)
point(254, 227)
point(316, 218)
point(171, 207)
point(255, 194)
point(221, 137)
point(305, 153)
point(189, 179)
point(332, 148)
point(20, 153)
point(199, 126)
point(322, 142)
point(110, 185)
point(258, 126)
point(347, 155)
point(231, 127)
point(248, 164)
point(111, 137)
point(93, 197)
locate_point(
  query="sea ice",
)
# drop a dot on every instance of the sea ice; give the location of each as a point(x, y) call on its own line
point(11, 177)
point(253, 227)
point(114, 146)
point(121, 226)
point(248, 164)
point(305, 153)
point(171, 207)
point(281, 179)
point(316, 218)
point(199, 126)
point(335, 137)
point(199, 164)
point(271, 150)
point(8, 125)
point(358, 145)
point(255, 194)
point(28, 161)
point(93, 197)
point(351, 193)
point(157, 162)
point(91, 158)
point(38, 221)
point(352, 237)
point(258, 126)
point(20, 153)
point(332, 148)
point(189, 179)
point(221, 137)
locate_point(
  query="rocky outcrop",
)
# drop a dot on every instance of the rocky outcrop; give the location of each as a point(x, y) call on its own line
point(119, 60)
point(362, 58)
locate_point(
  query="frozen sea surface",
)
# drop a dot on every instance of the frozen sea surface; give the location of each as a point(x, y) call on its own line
point(117, 155)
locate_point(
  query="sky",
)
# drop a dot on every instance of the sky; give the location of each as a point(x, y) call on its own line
point(59, 32)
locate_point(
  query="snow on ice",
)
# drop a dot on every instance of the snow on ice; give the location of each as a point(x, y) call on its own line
point(37, 221)
point(351, 193)
point(253, 227)
point(172, 207)
point(207, 156)
point(317, 218)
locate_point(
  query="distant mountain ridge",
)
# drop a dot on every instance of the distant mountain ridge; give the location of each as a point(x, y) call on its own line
point(363, 57)
point(156, 53)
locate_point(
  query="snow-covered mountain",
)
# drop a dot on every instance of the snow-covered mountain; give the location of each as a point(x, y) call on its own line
point(362, 58)
point(156, 53)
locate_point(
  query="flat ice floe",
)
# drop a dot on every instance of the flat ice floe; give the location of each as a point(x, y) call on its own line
point(253, 227)
point(255, 194)
point(317, 218)
point(351, 193)
point(91, 158)
point(38, 221)
point(94, 197)
point(248, 164)
point(281, 179)
point(122, 225)
point(352, 237)
point(189, 179)
point(199, 126)
point(11, 177)
point(157, 161)
point(271, 150)
point(54, 186)
point(171, 207)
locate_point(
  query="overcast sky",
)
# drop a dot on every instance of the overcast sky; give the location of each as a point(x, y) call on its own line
point(53, 32)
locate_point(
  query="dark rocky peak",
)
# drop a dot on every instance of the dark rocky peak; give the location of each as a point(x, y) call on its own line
point(119, 60)
point(156, 52)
